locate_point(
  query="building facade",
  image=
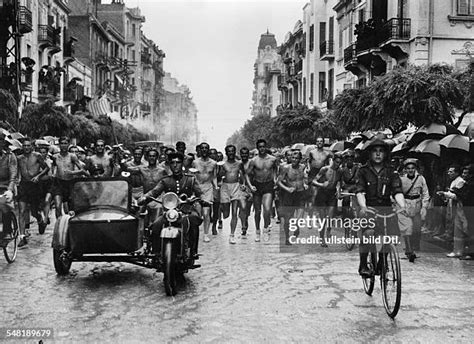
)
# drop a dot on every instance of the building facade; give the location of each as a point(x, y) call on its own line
point(293, 52)
point(267, 67)
point(179, 122)
point(347, 43)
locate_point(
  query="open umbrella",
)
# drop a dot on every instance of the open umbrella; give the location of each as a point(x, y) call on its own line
point(429, 146)
point(400, 148)
point(456, 142)
point(40, 142)
point(361, 145)
point(339, 146)
point(368, 134)
point(298, 146)
point(17, 136)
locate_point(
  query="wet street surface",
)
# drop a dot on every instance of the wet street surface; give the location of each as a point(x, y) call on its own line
point(248, 292)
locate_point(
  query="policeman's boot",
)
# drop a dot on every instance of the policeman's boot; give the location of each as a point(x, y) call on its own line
point(408, 248)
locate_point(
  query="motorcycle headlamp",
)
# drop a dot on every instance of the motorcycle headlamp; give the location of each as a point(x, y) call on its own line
point(172, 215)
point(170, 200)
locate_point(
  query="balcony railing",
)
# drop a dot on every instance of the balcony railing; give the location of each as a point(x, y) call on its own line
point(396, 29)
point(101, 58)
point(350, 54)
point(145, 107)
point(326, 50)
point(49, 36)
point(25, 19)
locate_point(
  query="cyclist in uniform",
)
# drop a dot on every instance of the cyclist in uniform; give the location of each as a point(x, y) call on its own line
point(376, 183)
point(8, 179)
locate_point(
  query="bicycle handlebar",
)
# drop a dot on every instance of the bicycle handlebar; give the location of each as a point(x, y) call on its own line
point(375, 213)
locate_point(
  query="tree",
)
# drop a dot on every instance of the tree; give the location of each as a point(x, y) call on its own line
point(416, 95)
point(8, 110)
point(45, 119)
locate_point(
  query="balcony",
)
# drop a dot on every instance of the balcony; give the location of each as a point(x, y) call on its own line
point(396, 29)
point(395, 37)
point(350, 55)
point(146, 60)
point(369, 35)
point(69, 50)
point(145, 107)
point(101, 59)
point(49, 82)
point(25, 20)
point(282, 82)
point(49, 37)
point(147, 85)
point(326, 51)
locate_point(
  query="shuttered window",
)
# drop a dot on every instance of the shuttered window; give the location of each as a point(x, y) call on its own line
point(465, 7)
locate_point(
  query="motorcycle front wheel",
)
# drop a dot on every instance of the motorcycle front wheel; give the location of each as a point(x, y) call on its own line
point(169, 260)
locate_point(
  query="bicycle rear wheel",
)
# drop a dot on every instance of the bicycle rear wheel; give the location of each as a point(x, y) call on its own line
point(369, 282)
point(349, 236)
point(10, 247)
point(391, 281)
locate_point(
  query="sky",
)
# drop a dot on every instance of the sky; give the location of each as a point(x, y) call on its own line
point(211, 46)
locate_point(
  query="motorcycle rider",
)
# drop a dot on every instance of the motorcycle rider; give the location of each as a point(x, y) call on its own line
point(178, 183)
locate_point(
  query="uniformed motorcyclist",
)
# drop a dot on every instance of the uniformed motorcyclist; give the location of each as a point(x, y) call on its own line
point(179, 183)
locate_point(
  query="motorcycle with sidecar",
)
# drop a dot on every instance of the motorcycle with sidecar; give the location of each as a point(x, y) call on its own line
point(104, 225)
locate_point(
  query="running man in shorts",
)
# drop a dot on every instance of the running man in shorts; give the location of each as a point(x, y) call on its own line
point(231, 190)
point(32, 167)
point(63, 164)
point(247, 195)
point(293, 183)
point(263, 168)
point(207, 181)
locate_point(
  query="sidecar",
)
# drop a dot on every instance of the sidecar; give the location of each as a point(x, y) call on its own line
point(102, 224)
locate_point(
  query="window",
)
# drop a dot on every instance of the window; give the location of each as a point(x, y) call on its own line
point(361, 16)
point(311, 88)
point(322, 32)
point(311, 38)
point(304, 91)
point(134, 29)
point(465, 7)
point(322, 87)
point(340, 43)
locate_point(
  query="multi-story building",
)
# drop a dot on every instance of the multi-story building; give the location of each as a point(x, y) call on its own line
point(179, 122)
point(268, 66)
point(293, 51)
point(386, 33)
point(322, 54)
point(44, 46)
point(349, 42)
point(92, 44)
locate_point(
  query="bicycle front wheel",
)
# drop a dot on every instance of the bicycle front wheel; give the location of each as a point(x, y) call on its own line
point(369, 282)
point(391, 281)
point(10, 247)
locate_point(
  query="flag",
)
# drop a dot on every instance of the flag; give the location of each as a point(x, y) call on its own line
point(99, 107)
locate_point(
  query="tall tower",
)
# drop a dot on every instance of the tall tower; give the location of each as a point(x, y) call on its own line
point(267, 68)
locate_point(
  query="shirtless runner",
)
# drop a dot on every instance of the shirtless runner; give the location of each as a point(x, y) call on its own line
point(318, 158)
point(32, 167)
point(150, 176)
point(101, 158)
point(293, 183)
point(63, 164)
point(231, 190)
point(247, 196)
point(263, 167)
point(207, 181)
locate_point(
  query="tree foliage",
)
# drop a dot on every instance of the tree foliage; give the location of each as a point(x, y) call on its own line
point(48, 119)
point(416, 95)
point(8, 108)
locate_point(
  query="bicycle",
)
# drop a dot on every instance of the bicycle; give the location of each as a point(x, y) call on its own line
point(388, 269)
point(10, 246)
point(348, 232)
